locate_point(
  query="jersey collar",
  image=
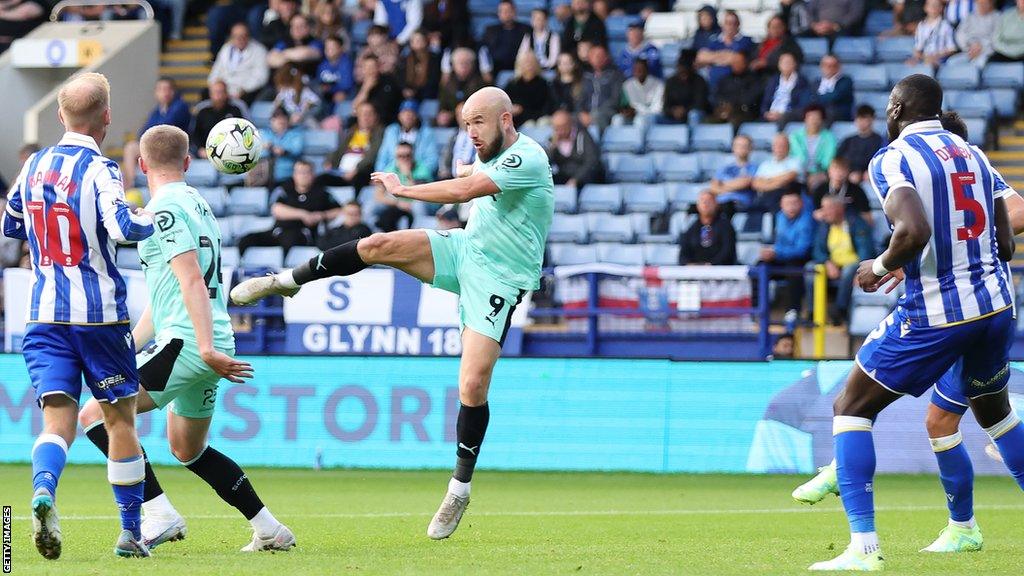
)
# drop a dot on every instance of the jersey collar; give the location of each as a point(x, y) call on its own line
point(921, 127)
point(81, 140)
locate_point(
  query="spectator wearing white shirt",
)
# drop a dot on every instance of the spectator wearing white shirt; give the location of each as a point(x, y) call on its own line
point(644, 94)
point(975, 33)
point(933, 41)
point(241, 64)
point(545, 45)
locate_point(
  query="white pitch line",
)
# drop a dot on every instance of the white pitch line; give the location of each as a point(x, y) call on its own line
point(571, 513)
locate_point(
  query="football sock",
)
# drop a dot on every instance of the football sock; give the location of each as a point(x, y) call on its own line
point(968, 524)
point(338, 261)
point(459, 488)
point(49, 455)
point(864, 542)
point(97, 434)
point(1009, 438)
point(228, 480)
point(264, 523)
point(469, 430)
point(855, 470)
point(127, 478)
point(956, 474)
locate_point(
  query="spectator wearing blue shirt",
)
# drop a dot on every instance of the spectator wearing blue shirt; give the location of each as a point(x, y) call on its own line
point(170, 109)
point(732, 182)
point(794, 233)
point(637, 49)
point(718, 55)
point(835, 90)
point(301, 48)
point(334, 74)
point(707, 27)
point(410, 129)
point(788, 92)
point(283, 145)
point(775, 175)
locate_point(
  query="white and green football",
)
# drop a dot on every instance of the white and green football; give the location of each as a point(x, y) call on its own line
point(234, 146)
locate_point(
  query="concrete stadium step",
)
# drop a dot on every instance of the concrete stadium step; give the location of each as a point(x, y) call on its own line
point(195, 32)
point(182, 72)
point(198, 44)
point(184, 58)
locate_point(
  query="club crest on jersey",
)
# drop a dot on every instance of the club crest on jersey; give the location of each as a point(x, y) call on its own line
point(164, 220)
point(512, 161)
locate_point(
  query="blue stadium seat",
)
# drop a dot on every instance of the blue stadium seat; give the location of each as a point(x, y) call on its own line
point(631, 168)
point(812, 72)
point(668, 138)
point(488, 7)
point(229, 257)
point(748, 252)
point(864, 319)
point(670, 57)
point(128, 258)
point(343, 109)
point(201, 173)
point(503, 78)
point(1005, 100)
point(970, 103)
point(648, 199)
point(320, 142)
point(260, 113)
point(895, 49)
point(897, 71)
point(242, 225)
point(712, 137)
point(263, 257)
point(622, 254)
point(679, 223)
point(442, 136)
point(1003, 75)
point(539, 134)
point(342, 194)
point(791, 127)
point(959, 77)
point(747, 229)
point(976, 130)
point(814, 49)
point(616, 27)
point(761, 133)
point(641, 223)
point(238, 179)
point(661, 254)
point(610, 228)
point(249, 202)
point(758, 156)
point(879, 298)
point(479, 24)
point(526, 6)
point(429, 109)
point(710, 162)
point(568, 228)
point(877, 21)
point(867, 76)
point(877, 100)
point(600, 198)
point(297, 255)
point(842, 129)
point(227, 231)
point(565, 199)
point(217, 198)
point(562, 254)
point(677, 167)
point(623, 139)
point(682, 196)
point(852, 50)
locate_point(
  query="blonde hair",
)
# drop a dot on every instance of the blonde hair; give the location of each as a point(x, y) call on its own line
point(164, 146)
point(84, 100)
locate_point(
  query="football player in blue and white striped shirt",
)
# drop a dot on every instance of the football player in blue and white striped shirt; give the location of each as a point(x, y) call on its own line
point(68, 204)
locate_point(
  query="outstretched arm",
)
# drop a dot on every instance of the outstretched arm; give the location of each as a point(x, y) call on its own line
point(452, 191)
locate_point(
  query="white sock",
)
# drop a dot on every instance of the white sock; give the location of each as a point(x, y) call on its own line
point(264, 523)
point(864, 542)
point(968, 524)
point(460, 489)
point(286, 279)
point(159, 506)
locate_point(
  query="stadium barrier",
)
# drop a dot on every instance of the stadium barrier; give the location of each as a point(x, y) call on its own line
point(547, 414)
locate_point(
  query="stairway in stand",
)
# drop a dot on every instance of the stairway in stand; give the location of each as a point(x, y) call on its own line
point(1009, 160)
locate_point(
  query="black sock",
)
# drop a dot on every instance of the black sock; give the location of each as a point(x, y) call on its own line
point(469, 429)
point(338, 261)
point(98, 436)
point(228, 480)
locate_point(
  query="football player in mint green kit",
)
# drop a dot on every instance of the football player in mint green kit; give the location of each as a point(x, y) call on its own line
point(490, 265)
point(193, 348)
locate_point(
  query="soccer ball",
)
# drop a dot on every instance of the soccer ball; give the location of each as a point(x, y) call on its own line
point(234, 146)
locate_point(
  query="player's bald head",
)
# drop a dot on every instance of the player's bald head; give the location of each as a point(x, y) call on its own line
point(84, 102)
point(489, 101)
point(917, 97)
point(164, 147)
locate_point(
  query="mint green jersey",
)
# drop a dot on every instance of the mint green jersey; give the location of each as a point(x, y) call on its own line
point(507, 231)
point(183, 222)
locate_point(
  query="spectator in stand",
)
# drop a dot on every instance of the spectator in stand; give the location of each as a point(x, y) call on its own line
point(733, 182)
point(18, 18)
point(390, 211)
point(814, 146)
point(295, 96)
point(334, 76)
point(532, 98)
point(575, 157)
point(583, 54)
point(787, 94)
point(358, 146)
point(502, 40)
point(221, 19)
point(458, 151)
point(378, 88)
point(583, 26)
point(794, 232)
point(797, 17)
point(169, 109)
point(602, 89)
point(211, 111)
point(643, 97)
point(541, 41)
point(602, 9)
point(638, 49)
point(841, 242)
point(933, 40)
point(1009, 40)
point(707, 27)
point(835, 90)
point(351, 228)
point(329, 23)
point(381, 47)
point(298, 206)
point(776, 43)
point(420, 69)
point(401, 17)
point(709, 240)
point(283, 145)
point(448, 20)
point(568, 84)
point(738, 96)
point(463, 82)
point(718, 56)
point(412, 130)
point(906, 15)
point(775, 176)
point(839, 186)
point(831, 18)
point(300, 49)
point(242, 65)
point(686, 94)
point(975, 34)
point(858, 149)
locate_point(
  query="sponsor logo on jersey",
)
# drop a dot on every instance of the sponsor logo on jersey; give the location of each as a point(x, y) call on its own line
point(164, 220)
point(512, 161)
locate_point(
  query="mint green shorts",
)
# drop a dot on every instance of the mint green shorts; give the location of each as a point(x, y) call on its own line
point(486, 305)
point(172, 373)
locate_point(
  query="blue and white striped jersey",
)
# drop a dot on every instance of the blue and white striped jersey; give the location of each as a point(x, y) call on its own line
point(958, 276)
point(68, 203)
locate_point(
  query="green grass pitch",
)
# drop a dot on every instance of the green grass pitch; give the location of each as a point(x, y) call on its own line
point(374, 522)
